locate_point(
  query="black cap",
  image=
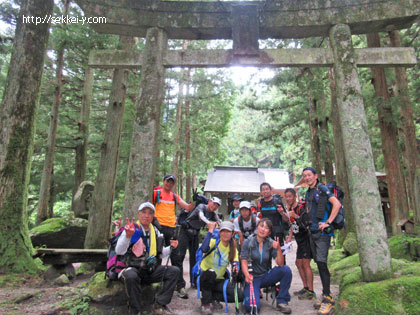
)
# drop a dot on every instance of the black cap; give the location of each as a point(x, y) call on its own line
point(169, 176)
point(309, 169)
point(236, 197)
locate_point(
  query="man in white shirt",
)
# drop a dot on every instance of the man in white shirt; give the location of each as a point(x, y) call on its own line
point(246, 223)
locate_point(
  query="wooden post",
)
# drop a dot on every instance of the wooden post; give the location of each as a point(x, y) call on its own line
point(100, 214)
point(375, 260)
point(142, 160)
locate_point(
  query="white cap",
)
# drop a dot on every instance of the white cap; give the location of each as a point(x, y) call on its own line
point(147, 205)
point(245, 204)
point(226, 225)
point(216, 200)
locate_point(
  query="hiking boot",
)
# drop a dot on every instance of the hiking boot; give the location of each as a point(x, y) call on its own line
point(206, 309)
point(217, 305)
point(308, 295)
point(326, 299)
point(284, 308)
point(182, 293)
point(326, 308)
point(162, 310)
point(300, 292)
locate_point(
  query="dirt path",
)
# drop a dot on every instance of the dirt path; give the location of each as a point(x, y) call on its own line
point(192, 305)
point(36, 297)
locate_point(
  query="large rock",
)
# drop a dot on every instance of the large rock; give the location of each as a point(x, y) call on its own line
point(405, 246)
point(109, 297)
point(82, 200)
point(350, 243)
point(64, 232)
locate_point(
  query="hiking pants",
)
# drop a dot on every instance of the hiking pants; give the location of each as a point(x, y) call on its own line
point(212, 289)
point(190, 242)
point(168, 233)
point(270, 278)
point(133, 279)
point(320, 246)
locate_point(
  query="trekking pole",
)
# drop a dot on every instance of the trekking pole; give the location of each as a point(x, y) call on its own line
point(253, 303)
point(235, 281)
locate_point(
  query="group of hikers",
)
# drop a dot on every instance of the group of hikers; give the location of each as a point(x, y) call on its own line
point(236, 251)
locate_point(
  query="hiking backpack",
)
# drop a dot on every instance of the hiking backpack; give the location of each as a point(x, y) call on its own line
point(114, 263)
point(339, 221)
point(196, 270)
point(157, 191)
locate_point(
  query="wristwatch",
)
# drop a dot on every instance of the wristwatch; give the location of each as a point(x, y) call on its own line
point(327, 222)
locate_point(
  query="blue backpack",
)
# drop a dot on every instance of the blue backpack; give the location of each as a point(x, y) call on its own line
point(196, 270)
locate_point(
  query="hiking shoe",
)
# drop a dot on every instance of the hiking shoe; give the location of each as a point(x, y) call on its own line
point(206, 309)
point(308, 295)
point(162, 310)
point(182, 293)
point(217, 305)
point(284, 308)
point(326, 299)
point(326, 308)
point(300, 292)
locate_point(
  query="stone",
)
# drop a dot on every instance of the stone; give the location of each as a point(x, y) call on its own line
point(64, 232)
point(109, 296)
point(350, 243)
point(56, 270)
point(399, 245)
point(62, 280)
point(82, 201)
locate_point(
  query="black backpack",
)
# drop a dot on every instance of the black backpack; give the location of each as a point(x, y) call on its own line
point(339, 221)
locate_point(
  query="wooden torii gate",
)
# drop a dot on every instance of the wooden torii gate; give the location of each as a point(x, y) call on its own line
point(245, 23)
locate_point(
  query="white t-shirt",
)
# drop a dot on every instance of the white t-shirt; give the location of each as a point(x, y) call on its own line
point(247, 224)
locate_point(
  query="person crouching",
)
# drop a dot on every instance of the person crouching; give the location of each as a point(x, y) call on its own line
point(213, 267)
point(143, 249)
point(256, 255)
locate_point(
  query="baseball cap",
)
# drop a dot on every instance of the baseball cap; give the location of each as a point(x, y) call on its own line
point(236, 197)
point(216, 200)
point(245, 204)
point(147, 205)
point(226, 225)
point(169, 176)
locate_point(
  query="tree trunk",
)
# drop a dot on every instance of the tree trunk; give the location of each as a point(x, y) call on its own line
point(411, 152)
point(390, 148)
point(188, 141)
point(100, 214)
point(313, 125)
point(178, 123)
point(326, 153)
point(142, 162)
point(44, 194)
point(340, 163)
point(375, 258)
point(17, 125)
point(82, 141)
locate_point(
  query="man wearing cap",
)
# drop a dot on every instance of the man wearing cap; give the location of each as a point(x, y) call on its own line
point(143, 249)
point(236, 200)
point(246, 223)
point(188, 236)
point(165, 201)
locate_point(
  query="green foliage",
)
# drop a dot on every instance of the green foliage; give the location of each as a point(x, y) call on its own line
point(350, 243)
point(399, 246)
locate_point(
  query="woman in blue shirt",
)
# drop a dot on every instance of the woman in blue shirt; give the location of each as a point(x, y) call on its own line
point(258, 252)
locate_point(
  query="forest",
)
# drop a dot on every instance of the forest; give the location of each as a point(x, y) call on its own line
point(241, 116)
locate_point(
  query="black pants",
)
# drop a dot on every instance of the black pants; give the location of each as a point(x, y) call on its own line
point(212, 289)
point(187, 240)
point(133, 279)
point(168, 233)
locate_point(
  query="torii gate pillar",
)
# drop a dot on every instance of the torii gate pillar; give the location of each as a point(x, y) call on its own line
point(364, 194)
point(143, 152)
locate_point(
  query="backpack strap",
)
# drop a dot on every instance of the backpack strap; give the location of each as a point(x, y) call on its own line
point(175, 198)
point(241, 223)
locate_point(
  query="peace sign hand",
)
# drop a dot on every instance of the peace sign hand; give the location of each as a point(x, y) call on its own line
point(129, 228)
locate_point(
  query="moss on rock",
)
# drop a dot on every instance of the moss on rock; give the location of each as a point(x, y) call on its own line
point(405, 246)
point(350, 243)
point(392, 296)
point(335, 255)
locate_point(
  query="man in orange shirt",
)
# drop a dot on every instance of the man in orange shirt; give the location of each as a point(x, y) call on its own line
point(165, 201)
